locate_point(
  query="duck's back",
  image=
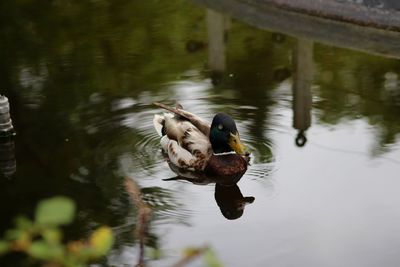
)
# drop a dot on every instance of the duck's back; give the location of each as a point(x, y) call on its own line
point(187, 147)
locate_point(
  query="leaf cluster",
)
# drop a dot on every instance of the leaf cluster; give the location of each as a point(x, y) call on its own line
point(42, 238)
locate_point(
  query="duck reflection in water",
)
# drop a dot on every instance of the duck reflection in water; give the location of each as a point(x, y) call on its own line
point(227, 193)
point(231, 201)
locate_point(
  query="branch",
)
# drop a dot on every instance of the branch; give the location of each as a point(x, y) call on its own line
point(143, 217)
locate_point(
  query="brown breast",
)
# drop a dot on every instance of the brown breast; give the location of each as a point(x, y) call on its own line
point(229, 165)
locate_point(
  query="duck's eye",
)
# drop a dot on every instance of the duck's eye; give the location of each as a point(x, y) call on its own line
point(220, 127)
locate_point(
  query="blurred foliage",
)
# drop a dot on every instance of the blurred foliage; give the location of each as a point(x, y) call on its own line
point(42, 238)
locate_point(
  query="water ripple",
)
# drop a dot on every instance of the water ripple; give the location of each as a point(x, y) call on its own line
point(138, 144)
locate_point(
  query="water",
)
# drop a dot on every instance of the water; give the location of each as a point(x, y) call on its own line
point(81, 79)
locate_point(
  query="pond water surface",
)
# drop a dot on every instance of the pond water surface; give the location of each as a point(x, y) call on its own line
point(81, 79)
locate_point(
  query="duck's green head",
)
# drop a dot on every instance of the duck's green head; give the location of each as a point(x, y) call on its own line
point(224, 136)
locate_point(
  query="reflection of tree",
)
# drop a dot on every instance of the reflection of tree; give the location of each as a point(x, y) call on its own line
point(354, 85)
point(104, 44)
point(56, 57)
point(85, 168)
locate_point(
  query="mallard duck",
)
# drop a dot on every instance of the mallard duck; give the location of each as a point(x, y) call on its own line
point(191, 143)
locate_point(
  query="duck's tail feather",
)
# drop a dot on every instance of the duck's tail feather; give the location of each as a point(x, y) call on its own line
point(158, 122)
point(202, 125)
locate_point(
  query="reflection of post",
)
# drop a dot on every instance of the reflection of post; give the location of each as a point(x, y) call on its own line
point(7, 147)
point(302, 80)
point(216, 23)
point(7, 157)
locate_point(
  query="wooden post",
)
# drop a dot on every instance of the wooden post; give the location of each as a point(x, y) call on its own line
point(7, 147)
point(302, 81)
point(216, 25)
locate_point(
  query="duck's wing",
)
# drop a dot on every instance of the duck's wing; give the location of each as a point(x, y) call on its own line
point(199, 178)
point(198, 122)
point(187, 147)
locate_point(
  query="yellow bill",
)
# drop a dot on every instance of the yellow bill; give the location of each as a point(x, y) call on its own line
point(237, 145)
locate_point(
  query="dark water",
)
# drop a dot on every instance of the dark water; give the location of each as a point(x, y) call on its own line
point(81, 79)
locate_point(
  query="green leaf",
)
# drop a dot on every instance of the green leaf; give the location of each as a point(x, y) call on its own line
point(55, 211)
point(73, 262)
point(22, 223)
point(52, 236)
point(20, 239)
point(101, 240)
point(44, 251)
point(211, 259)
point(13, 234)
point(4, 247)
